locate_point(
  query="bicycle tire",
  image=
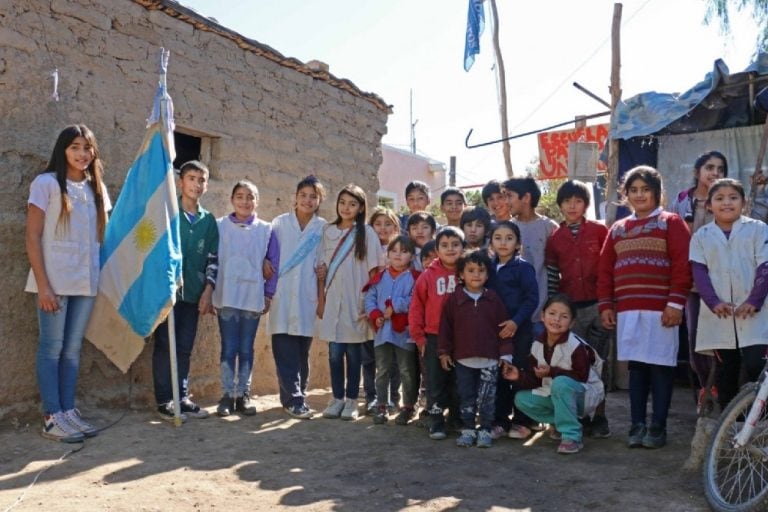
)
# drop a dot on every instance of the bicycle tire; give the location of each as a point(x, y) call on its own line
point(735, 480)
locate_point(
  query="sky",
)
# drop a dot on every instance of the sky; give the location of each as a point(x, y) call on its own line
point(395, 47)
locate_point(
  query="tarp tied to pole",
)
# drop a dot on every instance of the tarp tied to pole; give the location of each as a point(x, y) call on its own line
point(141, 253)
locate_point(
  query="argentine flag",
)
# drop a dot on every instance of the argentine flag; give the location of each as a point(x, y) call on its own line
point(141, 253)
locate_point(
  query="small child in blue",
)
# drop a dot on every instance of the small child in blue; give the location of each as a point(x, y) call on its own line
point(469, 342)
point(387, 299)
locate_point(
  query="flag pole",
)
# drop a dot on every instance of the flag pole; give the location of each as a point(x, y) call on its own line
point(166, 120)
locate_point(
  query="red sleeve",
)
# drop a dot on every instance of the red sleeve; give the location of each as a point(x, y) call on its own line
point(678, 244)
point(417, 311)
point(445, 335)
point(605, 274)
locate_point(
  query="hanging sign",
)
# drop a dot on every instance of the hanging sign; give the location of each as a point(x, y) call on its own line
point(553, 149)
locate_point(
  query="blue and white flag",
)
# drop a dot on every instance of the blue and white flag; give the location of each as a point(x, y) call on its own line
point(141, 253)
point(475, 27)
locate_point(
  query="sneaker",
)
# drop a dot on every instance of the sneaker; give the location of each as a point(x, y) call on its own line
point(655, 437)
point(301, 412)
point(349, 412)
point(56, 427)
point(497, 432)
point(404, 416)
point(370, 408)
point(553, 433)
point(437, 427)
point(193, 410)
point(518, 432)
point(226, 405)
point(424, 420)
point(392, 407)
point(244, 405)
point(484, 439)
point(636, 435)
point(165, 412)
point(467, 438)
point(380, 415)
point(334, 408)
point(569, 446)
point(74, 419)
point(600, 428)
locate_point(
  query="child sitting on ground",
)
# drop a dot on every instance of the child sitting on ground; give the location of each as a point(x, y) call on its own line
point(562, 385)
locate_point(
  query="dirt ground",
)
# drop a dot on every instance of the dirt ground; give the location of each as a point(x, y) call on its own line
point(272, 461)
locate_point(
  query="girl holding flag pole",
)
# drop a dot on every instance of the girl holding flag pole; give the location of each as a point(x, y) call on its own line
point(349, 256)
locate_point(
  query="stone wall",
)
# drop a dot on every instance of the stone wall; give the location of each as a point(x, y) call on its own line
point(261, 116)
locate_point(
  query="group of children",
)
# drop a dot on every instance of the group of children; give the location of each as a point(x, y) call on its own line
point(501, 316)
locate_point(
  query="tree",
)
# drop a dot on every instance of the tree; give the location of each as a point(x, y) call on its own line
point(719, 9)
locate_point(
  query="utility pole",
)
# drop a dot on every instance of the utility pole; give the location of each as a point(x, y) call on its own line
point(502, 85)
point(613, 144)
point(452, 172)
point(413, 127)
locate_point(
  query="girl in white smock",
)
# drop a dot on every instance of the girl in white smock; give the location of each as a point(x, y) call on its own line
point(729, 259)
point(66, 217)
point(349, 256)
point(291, 320)
point(242, 293)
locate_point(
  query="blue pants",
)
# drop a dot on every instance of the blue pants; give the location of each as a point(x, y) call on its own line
point(58, 352)
point(562, 407)
point(238, 333)
point(337, 353)
point(658, 380)
point(477, 394)
point(185, 315)
point(292, 364)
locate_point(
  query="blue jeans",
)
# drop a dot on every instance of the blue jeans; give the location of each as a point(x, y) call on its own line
point(336, 353)
point(58, 352)
point(477, 394)
point(292, 364)
point(653, 379)
point(185, 315)
point(238, 333)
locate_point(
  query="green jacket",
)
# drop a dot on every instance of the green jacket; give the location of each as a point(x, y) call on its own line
point(199, 241)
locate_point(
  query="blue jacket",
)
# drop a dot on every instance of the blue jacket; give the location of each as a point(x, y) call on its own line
point(515, 282)
point(397, 292)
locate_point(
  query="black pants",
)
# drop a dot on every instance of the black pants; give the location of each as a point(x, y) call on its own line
point(441, 384)
point(731, 363)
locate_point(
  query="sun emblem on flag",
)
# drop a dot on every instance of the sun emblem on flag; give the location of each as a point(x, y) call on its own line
point(145, 235)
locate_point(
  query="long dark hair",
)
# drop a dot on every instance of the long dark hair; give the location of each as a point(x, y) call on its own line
point(94, 174)
point(358, 195)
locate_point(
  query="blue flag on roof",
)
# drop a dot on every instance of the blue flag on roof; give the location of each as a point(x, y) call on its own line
point(475, 27)
point(141, 253)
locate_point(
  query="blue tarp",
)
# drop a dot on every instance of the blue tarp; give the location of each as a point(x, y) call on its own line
point(651, 112)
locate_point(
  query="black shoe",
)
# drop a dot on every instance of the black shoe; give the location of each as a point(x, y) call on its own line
point(226, 405)
point(437, 427)
point(192, 410)
point(599, 427)
point(636, 435)
point(404, 416)
point(244, 405)
point(380, 415)
point(656, 437)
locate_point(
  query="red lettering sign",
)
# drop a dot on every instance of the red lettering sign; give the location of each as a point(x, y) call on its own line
point(553, 149)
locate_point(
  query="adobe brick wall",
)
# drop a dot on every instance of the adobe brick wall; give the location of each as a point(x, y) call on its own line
point(273, 125)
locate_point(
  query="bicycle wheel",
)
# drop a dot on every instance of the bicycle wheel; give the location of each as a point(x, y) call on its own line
point(736, 479)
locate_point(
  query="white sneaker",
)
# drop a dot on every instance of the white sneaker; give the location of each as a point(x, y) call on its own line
point(56, 427)
point(335, 406)
point(74, 419)
point(349, 412)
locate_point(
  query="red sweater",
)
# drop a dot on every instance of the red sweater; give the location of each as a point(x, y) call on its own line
point(470, 328)
point(429, 294)
point(577, 257)
point(644, 264)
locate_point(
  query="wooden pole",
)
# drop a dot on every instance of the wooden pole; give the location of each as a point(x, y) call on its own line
point(502, 84)
point(615, 89)
point(452, 172)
